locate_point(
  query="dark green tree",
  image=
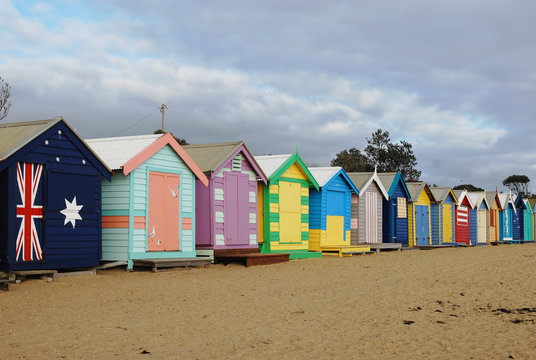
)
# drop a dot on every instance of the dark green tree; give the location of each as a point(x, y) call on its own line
point(468, 187)
point(179, 140)
point(519, 184)
point(383, 154)
point(352, 161)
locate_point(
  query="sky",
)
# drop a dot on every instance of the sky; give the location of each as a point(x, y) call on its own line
point(456, 79)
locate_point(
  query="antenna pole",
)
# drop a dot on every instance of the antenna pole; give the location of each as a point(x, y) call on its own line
point(163, 108)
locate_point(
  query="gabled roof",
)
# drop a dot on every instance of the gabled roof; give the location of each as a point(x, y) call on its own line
point(441, 193)
point(463, 194)
point(129, 152)
point(519, 202)
point(417, 187)
point(324, 175)
point(532, 202)
point(477, 197)
point(275, 165)
point(211, 157)
point(505, 199)
point(528, 205)
point(491, 196)
point(15, 136)
point(389, 181)
point(362, 180)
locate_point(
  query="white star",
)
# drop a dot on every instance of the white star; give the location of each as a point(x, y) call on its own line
point(71, 212)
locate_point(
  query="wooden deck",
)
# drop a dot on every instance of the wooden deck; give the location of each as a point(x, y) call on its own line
point(385, 247)
point(343, 251)
point(156, 264)
point(251, 259)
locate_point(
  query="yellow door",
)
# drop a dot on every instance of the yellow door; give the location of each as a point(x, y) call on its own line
point(334, 230)
point(447, 223)
point(289, 212)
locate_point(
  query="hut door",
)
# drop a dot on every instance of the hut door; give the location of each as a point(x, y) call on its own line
point(422, 225)
point(236, 208)
point(447, 223)
point(481, 227)
point(492, 224)
point(164, 212)
point(371, 220)
point(335, 218)
point(289, 212)
point(462, 224)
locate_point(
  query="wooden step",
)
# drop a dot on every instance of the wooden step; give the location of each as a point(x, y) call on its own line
point(156, 264)
point(252, 259)
point(347, 250)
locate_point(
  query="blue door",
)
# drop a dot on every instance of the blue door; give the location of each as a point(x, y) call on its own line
point(422, 227)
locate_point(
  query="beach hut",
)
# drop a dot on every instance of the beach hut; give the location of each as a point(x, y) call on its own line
point(443, 224)
point(284, 205)
point(482, 207)
point(395, 208)
point(420, 221)
point(463, 218)
point(528, 223)
point(494, 210)
point(506, 216)
point(148, 209)
point(369, 204)
point(330, 209)
point(532, 203)
point(50, 197)
point(519, 218)
point(226, 209)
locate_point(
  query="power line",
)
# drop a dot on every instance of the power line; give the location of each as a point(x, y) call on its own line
point(136, 123)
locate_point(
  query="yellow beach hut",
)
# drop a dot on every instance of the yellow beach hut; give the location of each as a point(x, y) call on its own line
point(284, 206)
point(419, 214)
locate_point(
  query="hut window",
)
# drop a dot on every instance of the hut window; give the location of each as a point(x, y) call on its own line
point(401, 206)
point(237, 162)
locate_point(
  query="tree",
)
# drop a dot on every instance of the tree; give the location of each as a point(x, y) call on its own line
point(519, 184)
point(383, 154)
point(352, 161)
point(179, 140)
point(5, 94)
point(468, 187)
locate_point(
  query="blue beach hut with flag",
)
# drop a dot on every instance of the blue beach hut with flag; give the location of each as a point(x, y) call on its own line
point(50, 197)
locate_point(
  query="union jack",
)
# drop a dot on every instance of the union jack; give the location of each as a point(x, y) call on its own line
point(28, 178)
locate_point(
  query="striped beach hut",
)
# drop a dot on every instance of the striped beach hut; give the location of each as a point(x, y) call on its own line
point(369, 204)
point(519, 218)
point(226, 209)
point(463, 217)
point(284, 205)
point(148, 209)
point(494, 210)
point(395, 208)
point(482, 207)
point(506, 216)
point(330, 208)
point(443, 211)
point(528, 223)
point(420, 220)
point(50, 197)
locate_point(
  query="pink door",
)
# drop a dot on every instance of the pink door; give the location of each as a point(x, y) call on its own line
point(236, 208)
point(164, 210)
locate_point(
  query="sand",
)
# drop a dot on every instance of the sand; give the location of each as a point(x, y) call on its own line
point(466, 303)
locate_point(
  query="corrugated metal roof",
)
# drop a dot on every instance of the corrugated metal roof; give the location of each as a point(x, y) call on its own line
point(270, 163)
point(116, 151)
point(14, 136)
point(440, 193)
point(209, 157)
point(360, 178)
point(477, 197)
point(387, 179)
point(490, 197)
point(323, 174)
point(415, 189)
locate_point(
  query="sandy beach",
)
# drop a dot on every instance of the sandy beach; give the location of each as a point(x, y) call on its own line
point(466, 303)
